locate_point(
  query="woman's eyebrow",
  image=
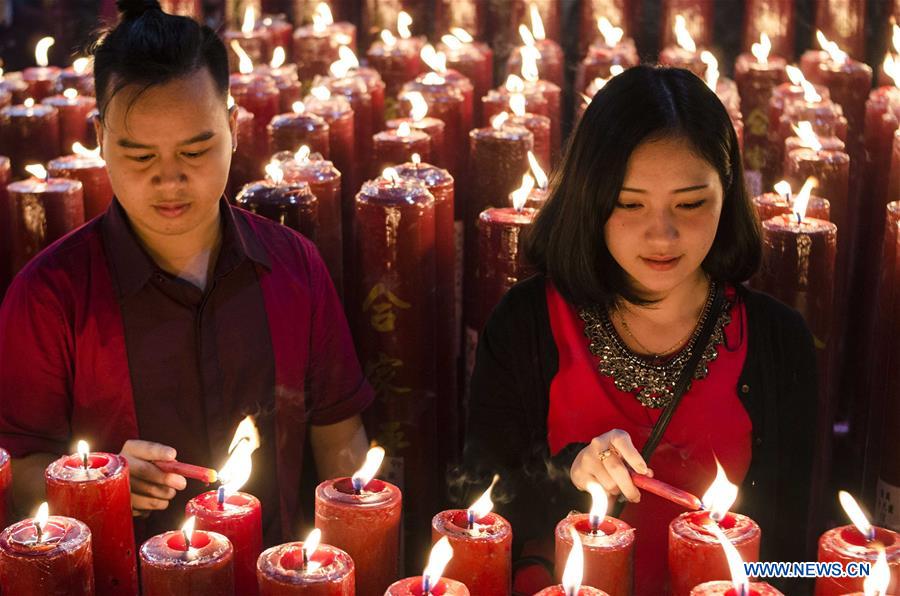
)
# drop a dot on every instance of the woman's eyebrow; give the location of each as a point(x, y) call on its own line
point(677, 190)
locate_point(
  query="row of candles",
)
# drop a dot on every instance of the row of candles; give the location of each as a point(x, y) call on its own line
point(87, 547)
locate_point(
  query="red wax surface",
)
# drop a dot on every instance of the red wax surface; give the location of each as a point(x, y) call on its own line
point(446, 103)
point(464, 86)
point(482, 556)
point(391, 149)
point(770, 204)
point(291, 204)
point(372, 79)
point(280, 572)
point(280, 31)
point(558, 590)
point(828, 144)
point(62, 564)
point(434, 128)
point(72, 114)
point(287, 132)
point(258, 95)
point(497, 100)
point(83, 83)
point(91, 172)
point(608, 554)
point(695, 554)
point(827, 119)
point(287, 81)
point(366, 527)
point(698, 17)
point(412, 586)
point(398, 63)
point(775, 18)
point(100, 496)
point(845, 544)
point(256, 43)
point(551, 64)
point(315, 50)
point(29, 135)
point(239, 520)
point(601, 58)
point(5, 488)
point(726, 588)
point(41, 81)
point(617, 11)
point(168, 568)
point(41, 212)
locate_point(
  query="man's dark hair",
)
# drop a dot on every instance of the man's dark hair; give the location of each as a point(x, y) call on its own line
point(149, 47)
point(642, 104)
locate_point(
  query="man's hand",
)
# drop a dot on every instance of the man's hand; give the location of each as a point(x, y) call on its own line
point(151, 488)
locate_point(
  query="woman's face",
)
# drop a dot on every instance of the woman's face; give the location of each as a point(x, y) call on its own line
point(666, 217)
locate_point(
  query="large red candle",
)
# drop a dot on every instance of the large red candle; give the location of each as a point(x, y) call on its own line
point(317, 46)
point(498, 100)
point(832, 170)
point(397, 60)
point(280, 30)
point(5, 488)
point(549, 56)
point(698, 20)
point(396, 146)
point(61, 563)
point(286, 570)
point(433, 127)
point(614, 12)
point(94, 488)
point(775, 18)
point(90, 170)
point(79, 76)
point(681, 57)
point(291, 204)
point(601, 57)
point(364, 524)
point(288, 132)
point(73, 110)
point(29, 133)
point(286, 79)
point(726, 588)
point(376, 87)
point(258, 95)
point(355, 90)
point(539, 126)
point(446, 103)
point(844, 21)
point(482, 551)
point(695, 554)
point(41, 81)
point(205, 567)
point(13, 83)
point(474, 60)
point(756, 77)
point(608, 552)
point(846, 544)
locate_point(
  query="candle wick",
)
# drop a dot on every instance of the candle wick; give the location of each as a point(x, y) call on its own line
point(426, 585)
point(84, 460)
point(187, 540)
point(40, 533)
point(305, 557)
point(799, 218)
point(220, 497)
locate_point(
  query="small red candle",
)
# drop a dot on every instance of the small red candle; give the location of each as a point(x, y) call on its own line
point(317, 45)
point(431, 582)
point(772, 18)
point(288, 132)
point(258, 95)
point(573, 574)
point(235, 515)
point(29, 133)
point(47, 555)
point(361, 517)
point(187, 562)
point(41, 79)
point(396, 146)
point(248, 41)
point(90, 169)
point(771, 204)
point(291, 204)
point(419, 120)
point(5, 488)
point(94, 488)
point(446, 103)
point(73, 110)
point(79, 76)
point(610, 49)
point(396, 59)
point(306, 568)
point(547, 53)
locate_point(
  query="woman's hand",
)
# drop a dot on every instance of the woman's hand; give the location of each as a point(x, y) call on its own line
point(603, 461)
point(151, 488)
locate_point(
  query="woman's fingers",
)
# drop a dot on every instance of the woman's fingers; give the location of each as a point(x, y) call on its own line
point(621, 441)
point(622, 478)
point(142, 503)
point(150, 473)
point(150, 489)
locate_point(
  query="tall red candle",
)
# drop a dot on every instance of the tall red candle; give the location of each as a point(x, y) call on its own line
point(91, 172)
point(396, 146)
point(286, 80)
point(726, 588)
point(280, 30)
point(482, 551)
point(775, 18)
point(205, 567)
point(258, 95)
point(41, 81)
point(291, 204)
point(539, 126)
point(355, 90)
point(79, 76)
point(446, 103)
point(13, 83)
point(5, 488)
point(73, 110)
point(832, 170)
point(317, 45)
point(608, 552)
point(846, 544)
point(844, 21)
point(29, 133)
point(680, 56)
point(397, 60)
point(62, 563)
point(376, 87)
point(698, 18)
point(285, 570)
point(254, 42)
point(616, 13)
point(601, 57)
point(288, 132)
point(433, 127)
point(550, 60)
point(99, 494)
point(474, 60)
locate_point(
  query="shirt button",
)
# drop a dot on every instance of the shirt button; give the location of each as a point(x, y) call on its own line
point(745, 389)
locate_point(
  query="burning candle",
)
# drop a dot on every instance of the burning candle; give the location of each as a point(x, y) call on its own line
point(445, 76)
point(308, 568)
point(280, 31)
point(396, 57)
point(41, 79)
point(255, 93)
point(396, 146)
point(882, 120)
point(29, 133)
point(545, 52)
point(498, 100)
point(361, 516)
point(772, 18)
point(694, 553)
point(287, 132)
point(250, 156)
point(845, 22)
point(79, 76)
point(291, 204)
point(610, 49)
point(552, 93)
point(248, 41)
point(607, 544)
point(445, 103)
point(42, 210)
point(89, 168)
point(188, 561)
point(573, 574)
point(73, 110)
point(47, 555)
point(348, 65)
point(419, 120)
point(285, 77)
point(613, 12)
point(5, 490)
point(474, 60)
point(739, 585)
point(859, 542)
point(235, 515)
point(355, 90)
point(538, 125)
point(696, 19)
point(685, 53)
point(317, 45)
point(431, 581)
point(780, 202)
point(94, 488)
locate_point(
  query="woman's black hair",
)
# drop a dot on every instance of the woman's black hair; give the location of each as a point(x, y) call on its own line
point(149, 47)
point(643, 103)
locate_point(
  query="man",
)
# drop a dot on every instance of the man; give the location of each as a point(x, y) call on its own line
point(155, 328)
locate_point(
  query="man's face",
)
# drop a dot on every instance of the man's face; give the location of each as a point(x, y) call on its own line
point(168, 153)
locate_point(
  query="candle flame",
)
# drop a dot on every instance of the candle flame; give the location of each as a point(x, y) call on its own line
point(735, 564)
point(322, 17)
point(720, 496)
point(807, 135)
point(41, 518)
point(440, 555)
point(274, 172)
point(483, 505)
point(433, 78)
point(375, 455)
point(278, 58)
point(712, 69)
point(761, 50)
point(527, 37)
point(612, 35)
point(783, 188)
point(416, 158)
point(682, 35)
point(794, 74)
point(404, 130)
point(892, 68)
point(574, 570)
point(896, 38)
point(435, 60)
point(339, 69)
point(245, 64)
point(537, 23)
point(37, 170)
point(80, 66)
point(320, 92)
point(801, 201)
point(515, 84)
point(41, 50)
point(79, 149)
point(82, 449)
point(347, 55)
point(418, 106)
point(310, 544)
point(302, 154)
point(880, 577)
point(809, 92)
point(540, 176)
point(464, 36)
point(517, 104)
point(832, 48)
point(499, 120)
point(856, 515)
point(298, 107)
point(29, 103)
point(249, 20)
point(230, 101)
point(520, 195)
point(530, 57)
point(599, 504)
point(403, 23)
point(236, 471)
point(388, 39)
point(70, 94)
point(451, 41)
point(391, 175)
point(187, 529)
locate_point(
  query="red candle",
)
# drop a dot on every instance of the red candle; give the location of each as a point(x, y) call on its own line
point(316, 46)
point(614, 13)
point(374, 84)
point(41, 81)
point(468, 16)
point(29, 133)
point(396, 146)
point(831, 168)
point(79, 76)
point(696, 18)
point(247, 162)
point(474, 60)
point(306, 568)
point(498, 100)
point(446, 103)
point(538, 125)
point(431, 581)
point(771, 204)
point(573, 573)
point(882, 119)
point(73, 110)
point(682, 38)
point(433, 127)
point(59, 562)
point(187, 562)
point(250, 41)
point(90, 170)
point(844, 21)
point(547, 53)
point(285, 77)
point(397, 60)
point(608, 546)
point(41, 211)
point(291, 204)
point(726, 588)
point(258, 95)
point(775, 19)
point(365, 524)
point(288, 132)
point(610, 50)
point(94, 488)
point(5, 488)
point(355, 90)
point(280, 31)
point(552, 93)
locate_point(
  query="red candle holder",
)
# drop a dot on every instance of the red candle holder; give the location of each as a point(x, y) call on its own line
point(29, 135)
point(281, 572)
point(601, 58)
point(366, 526)
point(390, 148)
point(775, 18)
point(41, 81)
point(434, 128)
point(5, 488)
point(40, 213)
point(205, 568)
point(771, 204)
point(695, 554)
point(91, 172)
point(482, 553)
point(99, 494)
point(258, 95)
point(397, 63)
point(238, 518)
point(291, 204)
point(846, 544)
point(287, 132)
point(316, 47)
point(73, 112)
point(61, 563)
point(608, 552)
point(726, 588)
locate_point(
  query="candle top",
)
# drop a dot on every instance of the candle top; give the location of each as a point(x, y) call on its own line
point(747, 61)
point(464, 52)
point(508, 216)
point(613, 533)
point(243, 83)
point(286, 71)
point(395, 193)
point(330, 109)
point(350, 86)
point(455, 523)
point(424, 124)
point(445, 90)
point(431, 175)
point(787, 222)
point(169, 549)
point(41, 73)
point(529, 120)
point(400, 48)
point(776, 200)
point(848, 541)
point(415, 136)
point(829, 156)
point(60, 535)
point(38, 110)
point(305, 120)
point(329, 30)
point(34, 186)
point(206, 505)
point(61, 100)
point(823, 61)
point(692, 526)
point(315, 169)
point(726, 588)
point(76, 162)
point(70, 468)
point(272, 193)
point(507, 132)
point(377, 493)
point(284, 563)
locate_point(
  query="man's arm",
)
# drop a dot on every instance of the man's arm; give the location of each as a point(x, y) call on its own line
point(339, 449)
point(28, 490)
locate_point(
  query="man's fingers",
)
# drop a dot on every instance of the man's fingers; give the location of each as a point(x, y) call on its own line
point(142, 503)
point(621, 441)
point(149, 489)
point(148, 450)
point(145, 470)
point(622, 478)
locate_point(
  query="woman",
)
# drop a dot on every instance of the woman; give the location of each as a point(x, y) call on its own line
point(642, 246)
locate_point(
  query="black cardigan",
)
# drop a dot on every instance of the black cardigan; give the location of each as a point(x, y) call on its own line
point(506, 429)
